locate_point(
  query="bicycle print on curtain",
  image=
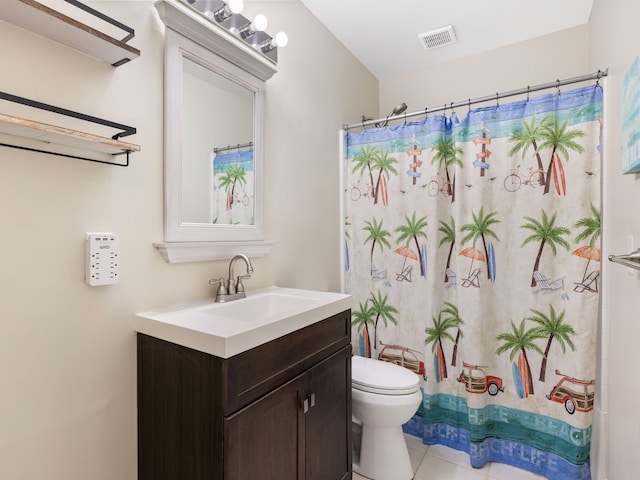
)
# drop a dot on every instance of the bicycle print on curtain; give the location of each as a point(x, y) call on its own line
point(472, 254)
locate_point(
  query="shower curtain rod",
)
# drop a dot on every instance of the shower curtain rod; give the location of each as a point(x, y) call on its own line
point(535, 88)
point(233, 147)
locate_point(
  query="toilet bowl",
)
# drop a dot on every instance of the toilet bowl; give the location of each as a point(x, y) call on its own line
point(384, 396)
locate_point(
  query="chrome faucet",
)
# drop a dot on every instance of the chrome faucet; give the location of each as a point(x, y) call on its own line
point(233, 288)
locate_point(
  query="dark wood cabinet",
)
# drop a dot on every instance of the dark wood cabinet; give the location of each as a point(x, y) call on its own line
point(280, 411)
point(324, 422)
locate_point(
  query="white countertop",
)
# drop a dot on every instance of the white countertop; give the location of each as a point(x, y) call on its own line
point(227, 329)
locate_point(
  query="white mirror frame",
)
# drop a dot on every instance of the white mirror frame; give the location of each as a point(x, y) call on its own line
point(190, 34)
point(176, 229)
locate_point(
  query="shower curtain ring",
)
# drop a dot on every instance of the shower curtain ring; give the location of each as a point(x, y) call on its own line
point(527, 93)
point(426, 113)
point(558, 86)
point(497, 97)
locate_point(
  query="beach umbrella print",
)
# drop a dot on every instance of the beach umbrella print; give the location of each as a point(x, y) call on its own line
point(474, 254)
point(590, 253)
point(406, 252)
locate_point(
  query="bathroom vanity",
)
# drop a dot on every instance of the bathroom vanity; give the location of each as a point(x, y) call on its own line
point(228, 409)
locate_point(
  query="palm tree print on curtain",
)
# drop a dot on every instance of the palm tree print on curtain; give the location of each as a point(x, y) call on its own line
point(499, 217)
point(233, 184)
point(546, 232)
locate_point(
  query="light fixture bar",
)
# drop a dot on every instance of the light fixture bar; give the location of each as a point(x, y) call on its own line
point(227, 15)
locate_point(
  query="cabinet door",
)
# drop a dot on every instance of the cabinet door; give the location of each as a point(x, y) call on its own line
point(327, 422)
point(179, 412)
point(261, 440)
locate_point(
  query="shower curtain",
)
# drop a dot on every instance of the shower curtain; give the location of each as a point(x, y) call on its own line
point(472, 253)
point(232, 186)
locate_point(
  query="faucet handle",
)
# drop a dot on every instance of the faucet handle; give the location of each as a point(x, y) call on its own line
point(239, 284)
point(222, 289)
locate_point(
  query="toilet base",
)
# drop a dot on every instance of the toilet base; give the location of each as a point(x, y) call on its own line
point(383, 454)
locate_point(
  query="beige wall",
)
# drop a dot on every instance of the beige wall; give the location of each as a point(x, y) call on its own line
point(317, 89)
point(67, 382)
point(67, 409)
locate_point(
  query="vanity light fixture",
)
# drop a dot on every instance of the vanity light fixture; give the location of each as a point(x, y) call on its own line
point(280, 40)
point(227, 15)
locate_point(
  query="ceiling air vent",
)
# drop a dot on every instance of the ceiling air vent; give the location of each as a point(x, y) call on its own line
point(440, 37)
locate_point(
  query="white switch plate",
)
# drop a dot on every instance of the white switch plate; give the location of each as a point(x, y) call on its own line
point(102, 259)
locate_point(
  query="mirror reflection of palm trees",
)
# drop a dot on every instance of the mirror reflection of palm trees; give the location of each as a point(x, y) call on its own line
point(234, 176)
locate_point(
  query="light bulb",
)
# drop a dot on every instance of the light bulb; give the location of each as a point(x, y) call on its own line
point(235, 6)
point(281, 39)
point(259, 23)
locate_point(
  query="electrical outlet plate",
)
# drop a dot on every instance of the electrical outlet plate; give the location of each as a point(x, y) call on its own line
point(102, 259)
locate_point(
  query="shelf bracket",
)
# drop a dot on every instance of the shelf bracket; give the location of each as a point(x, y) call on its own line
point(77, 157)
point(130, 31)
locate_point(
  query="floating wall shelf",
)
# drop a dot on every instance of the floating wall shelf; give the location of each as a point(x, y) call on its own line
point(24, 134)
point(43, 20)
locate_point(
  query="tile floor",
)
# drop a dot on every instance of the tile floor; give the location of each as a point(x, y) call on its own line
point(437, 462)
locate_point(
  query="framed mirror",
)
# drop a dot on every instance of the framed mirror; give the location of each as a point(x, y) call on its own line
point(213, 163)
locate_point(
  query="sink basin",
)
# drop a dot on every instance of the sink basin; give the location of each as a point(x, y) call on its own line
point(257, 307)
point(230, 328)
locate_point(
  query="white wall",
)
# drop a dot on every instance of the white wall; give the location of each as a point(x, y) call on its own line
point(614, 42)
point(68, 376)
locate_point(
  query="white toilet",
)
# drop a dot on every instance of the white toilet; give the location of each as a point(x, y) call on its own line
point(384, 396)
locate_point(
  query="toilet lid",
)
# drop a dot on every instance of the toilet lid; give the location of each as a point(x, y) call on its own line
point(377, 376)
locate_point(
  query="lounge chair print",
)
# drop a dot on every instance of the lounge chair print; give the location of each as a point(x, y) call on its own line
point(453, 278)
point(472, 280)
point(590, 283)
point(405, 274)
point(378, 274)
point(545, 285)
